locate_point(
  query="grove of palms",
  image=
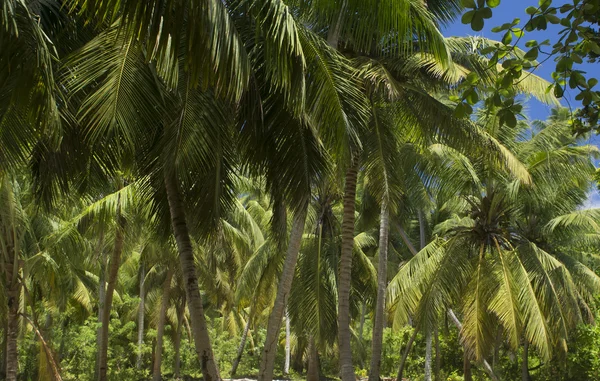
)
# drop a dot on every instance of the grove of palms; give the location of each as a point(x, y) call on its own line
point(268, 189)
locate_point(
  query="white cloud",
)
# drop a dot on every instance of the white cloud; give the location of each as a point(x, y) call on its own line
point(593, 200)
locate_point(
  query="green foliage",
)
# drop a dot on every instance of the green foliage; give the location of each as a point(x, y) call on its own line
point(169, 128)
point(577, 41)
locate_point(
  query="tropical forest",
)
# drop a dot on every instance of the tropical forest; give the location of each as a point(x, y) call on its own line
point(376, 190)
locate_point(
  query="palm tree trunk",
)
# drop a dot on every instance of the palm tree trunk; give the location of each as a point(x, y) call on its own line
point(405, 355)
point(156, 372)
point(345, 275)
point(204, 351)
point(50, 365)
point(141, 313)
point(3, 356)
point(101, 298)
point(361, 328)
point(497, 344)
point(240, 350)
point(381, 287)
point(13, 293)
point(428, 335)
point(525, 364)
point(61, 347)
point(177, 341)
point(288, 345)
point(438, 357)
point(313, 373)
point(467, 368)
point(113, 273)
point(333, 36)
point(428, 355)
point(267, 363)
point(188, 329)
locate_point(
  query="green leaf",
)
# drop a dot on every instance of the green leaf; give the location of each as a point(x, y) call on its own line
point(542, 24)
point(544, 4)
point(459, 111)
point(507, 39)
point(468, 3)
point(552, 19)
point(493, 3)
point(467, 17)
point(558, 91)
point(532, 54)
point(497, 100)
point(472, 78)
point(531, 10)
point(576, 58)
point(564, 64)
point(566, 8)
point(486, 13)
point(531, 43)
point(477, 22)
point(592, 82)
point(473, 97)
point(510, 119)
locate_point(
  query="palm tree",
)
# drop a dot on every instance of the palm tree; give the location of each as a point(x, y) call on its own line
point(500, 254)
point(25, 233)
point(185, 105)
point(162, 316)
point(14, 229)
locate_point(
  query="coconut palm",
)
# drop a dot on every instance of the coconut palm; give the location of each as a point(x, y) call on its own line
point(504, 275)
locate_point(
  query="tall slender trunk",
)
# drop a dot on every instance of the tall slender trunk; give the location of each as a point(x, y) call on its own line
point(313, 373)
point(381, 287)
point(428, 354)
point(160, 328)
point(333, 36)
point(525, 364)
point(467, 368)
point(141, 313)
point(345, 275)
point(497, 344)
point(288, 344)
point(101, 298)
point(361, 328)
point(202, 344)
point(297, 360)
point(61, 347)
point(49, 365)
point(428, 336)
point(4, 342)
point(177, 341)
point(240, 350)
point(267, 362)
point(405, 355)
point(188, 329)
point(13, 293)
point(438, 357)
point(115, 262)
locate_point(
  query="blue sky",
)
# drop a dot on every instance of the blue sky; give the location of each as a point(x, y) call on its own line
point(506, 12)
